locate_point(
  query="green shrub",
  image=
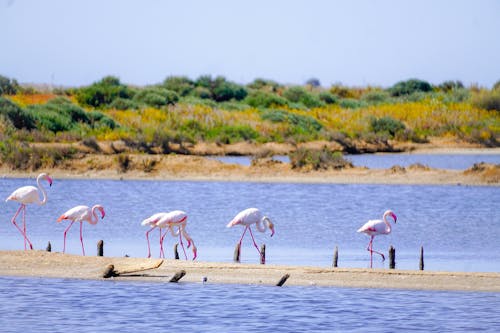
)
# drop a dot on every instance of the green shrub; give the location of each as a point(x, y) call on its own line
point(264, 99)
point(314, 159)
point(301, 95)
point(351, 103)
point(328, 97)
point(376, 97)
point(156, 97)
point(302, 123)
point(124, 104)
point(409, 87)
point(8, 86)
point(179, 84)
point(15, 115)
point(264, 84)
point(103, 93)
point(450, 85)
point(386, 125)
point(231, 134)
point(225, 91)
point(99, 119)
point(201, 92)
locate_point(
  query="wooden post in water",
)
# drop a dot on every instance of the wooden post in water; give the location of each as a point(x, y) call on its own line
point(236, 256)
point(283, 279)
point(421, 264)
point(49, 247)
point(336, 256)
point(176, 253)
point(392, 257)
point(177, 276)
point(100, 248)
point(263, 254)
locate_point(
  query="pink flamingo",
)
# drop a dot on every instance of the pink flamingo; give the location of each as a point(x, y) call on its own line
point(152, 222)
point(377, 227)
point(248, 217)
point(28, 195)
point(81, 214)
point(177, 218)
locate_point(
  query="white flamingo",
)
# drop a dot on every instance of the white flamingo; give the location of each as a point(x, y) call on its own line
point(152, 222)
point(248, 217)
point(27, 195)
point(377, 227)
point(81, 214)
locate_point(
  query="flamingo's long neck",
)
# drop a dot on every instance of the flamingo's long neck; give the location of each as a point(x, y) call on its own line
point(262, 224)
point(388, 228)
point(94, 217)
point(44, 194)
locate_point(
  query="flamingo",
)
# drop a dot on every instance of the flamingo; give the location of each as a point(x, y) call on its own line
point(152, 222)
point(248, 217)
point(81, 214)
point(177, 218)
point(28, 195)
point(377, 227)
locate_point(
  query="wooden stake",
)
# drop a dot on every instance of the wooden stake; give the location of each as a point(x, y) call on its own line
point(392, 257)
point(236, 256)
point(109, 271)
point(178, 276)
point(421, 264)
point(176, 253)
point(100, 248)
point(263, 254)
point(49, 247)
point(336, 256)
point(282, 281)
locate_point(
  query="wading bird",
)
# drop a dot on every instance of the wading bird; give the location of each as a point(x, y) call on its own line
point(81, 214)
point(248, 217)
point(27, 195)
point(377, 227)
point(176, 218)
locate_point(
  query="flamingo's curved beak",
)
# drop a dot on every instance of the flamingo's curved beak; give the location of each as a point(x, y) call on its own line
point(394, 217)
point(103, 213)
point(49, 180)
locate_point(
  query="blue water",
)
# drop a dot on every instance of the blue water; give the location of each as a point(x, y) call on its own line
point(384, 161)
point(458, 226)
point(62, 305)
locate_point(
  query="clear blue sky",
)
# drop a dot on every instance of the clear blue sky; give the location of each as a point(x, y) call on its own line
point(355, 42)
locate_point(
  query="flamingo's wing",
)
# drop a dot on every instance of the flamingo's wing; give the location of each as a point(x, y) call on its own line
point(78, 213)
point(25, 194)
point(372, 227)
point(153, 219)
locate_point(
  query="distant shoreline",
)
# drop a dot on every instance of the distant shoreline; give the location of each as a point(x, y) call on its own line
point(42, 264)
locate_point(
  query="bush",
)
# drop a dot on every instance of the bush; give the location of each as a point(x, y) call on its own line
point(156, 97)
point(450, 85)
point(264, 99)
point(103, 93)
point(314, 159)
point(15, 115)
point(409, 87)
point(124, 104)
point(8, 86)
point(328, 97)
point(99, 119)
point(179, 84)
point(232, 134)
point(376, 97)
point(386, 125)
point(201, 92)
point(351, 103)
point(124, 162)
point(301, 95)
point(488, 100)
point(225, 91)
point(302, 123)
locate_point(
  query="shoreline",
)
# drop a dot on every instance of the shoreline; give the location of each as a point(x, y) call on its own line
point(42, 264)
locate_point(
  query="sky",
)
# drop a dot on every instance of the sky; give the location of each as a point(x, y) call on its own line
point(350, 42)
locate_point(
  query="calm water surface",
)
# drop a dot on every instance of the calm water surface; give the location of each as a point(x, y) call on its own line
point(458, 226)
point(384, 161)
point(58, 305)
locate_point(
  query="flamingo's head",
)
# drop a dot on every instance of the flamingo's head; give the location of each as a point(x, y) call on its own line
point(271, 226)
point(47, 178)
point(391, 214)
point(101, 209)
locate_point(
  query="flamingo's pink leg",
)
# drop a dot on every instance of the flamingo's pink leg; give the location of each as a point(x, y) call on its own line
point(147, 238)
point(22, 207)
point(255, 244)
point(161, 244)
point(81, 237)
point(65, 232)
point(243, 234)
point(24, 226)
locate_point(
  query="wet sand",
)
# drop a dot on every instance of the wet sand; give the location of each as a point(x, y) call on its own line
point(42, 264)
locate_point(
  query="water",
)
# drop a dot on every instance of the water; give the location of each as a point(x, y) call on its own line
point(57, 305)
point(459, 226)
point(384, 161)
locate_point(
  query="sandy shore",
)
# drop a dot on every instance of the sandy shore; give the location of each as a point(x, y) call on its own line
point(57, 265)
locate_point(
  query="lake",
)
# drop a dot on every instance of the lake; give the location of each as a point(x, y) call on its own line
point(458, 226)
point(61, 305)
point(387, 160)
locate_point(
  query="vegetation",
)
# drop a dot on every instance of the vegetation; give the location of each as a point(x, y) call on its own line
point(310, 159)
point(181, 111)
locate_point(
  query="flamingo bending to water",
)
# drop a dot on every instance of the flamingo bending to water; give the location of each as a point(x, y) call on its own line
point(248, 217)
point(27, 195)
point(81, 214)
point(377, 227)
point(176, 218)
